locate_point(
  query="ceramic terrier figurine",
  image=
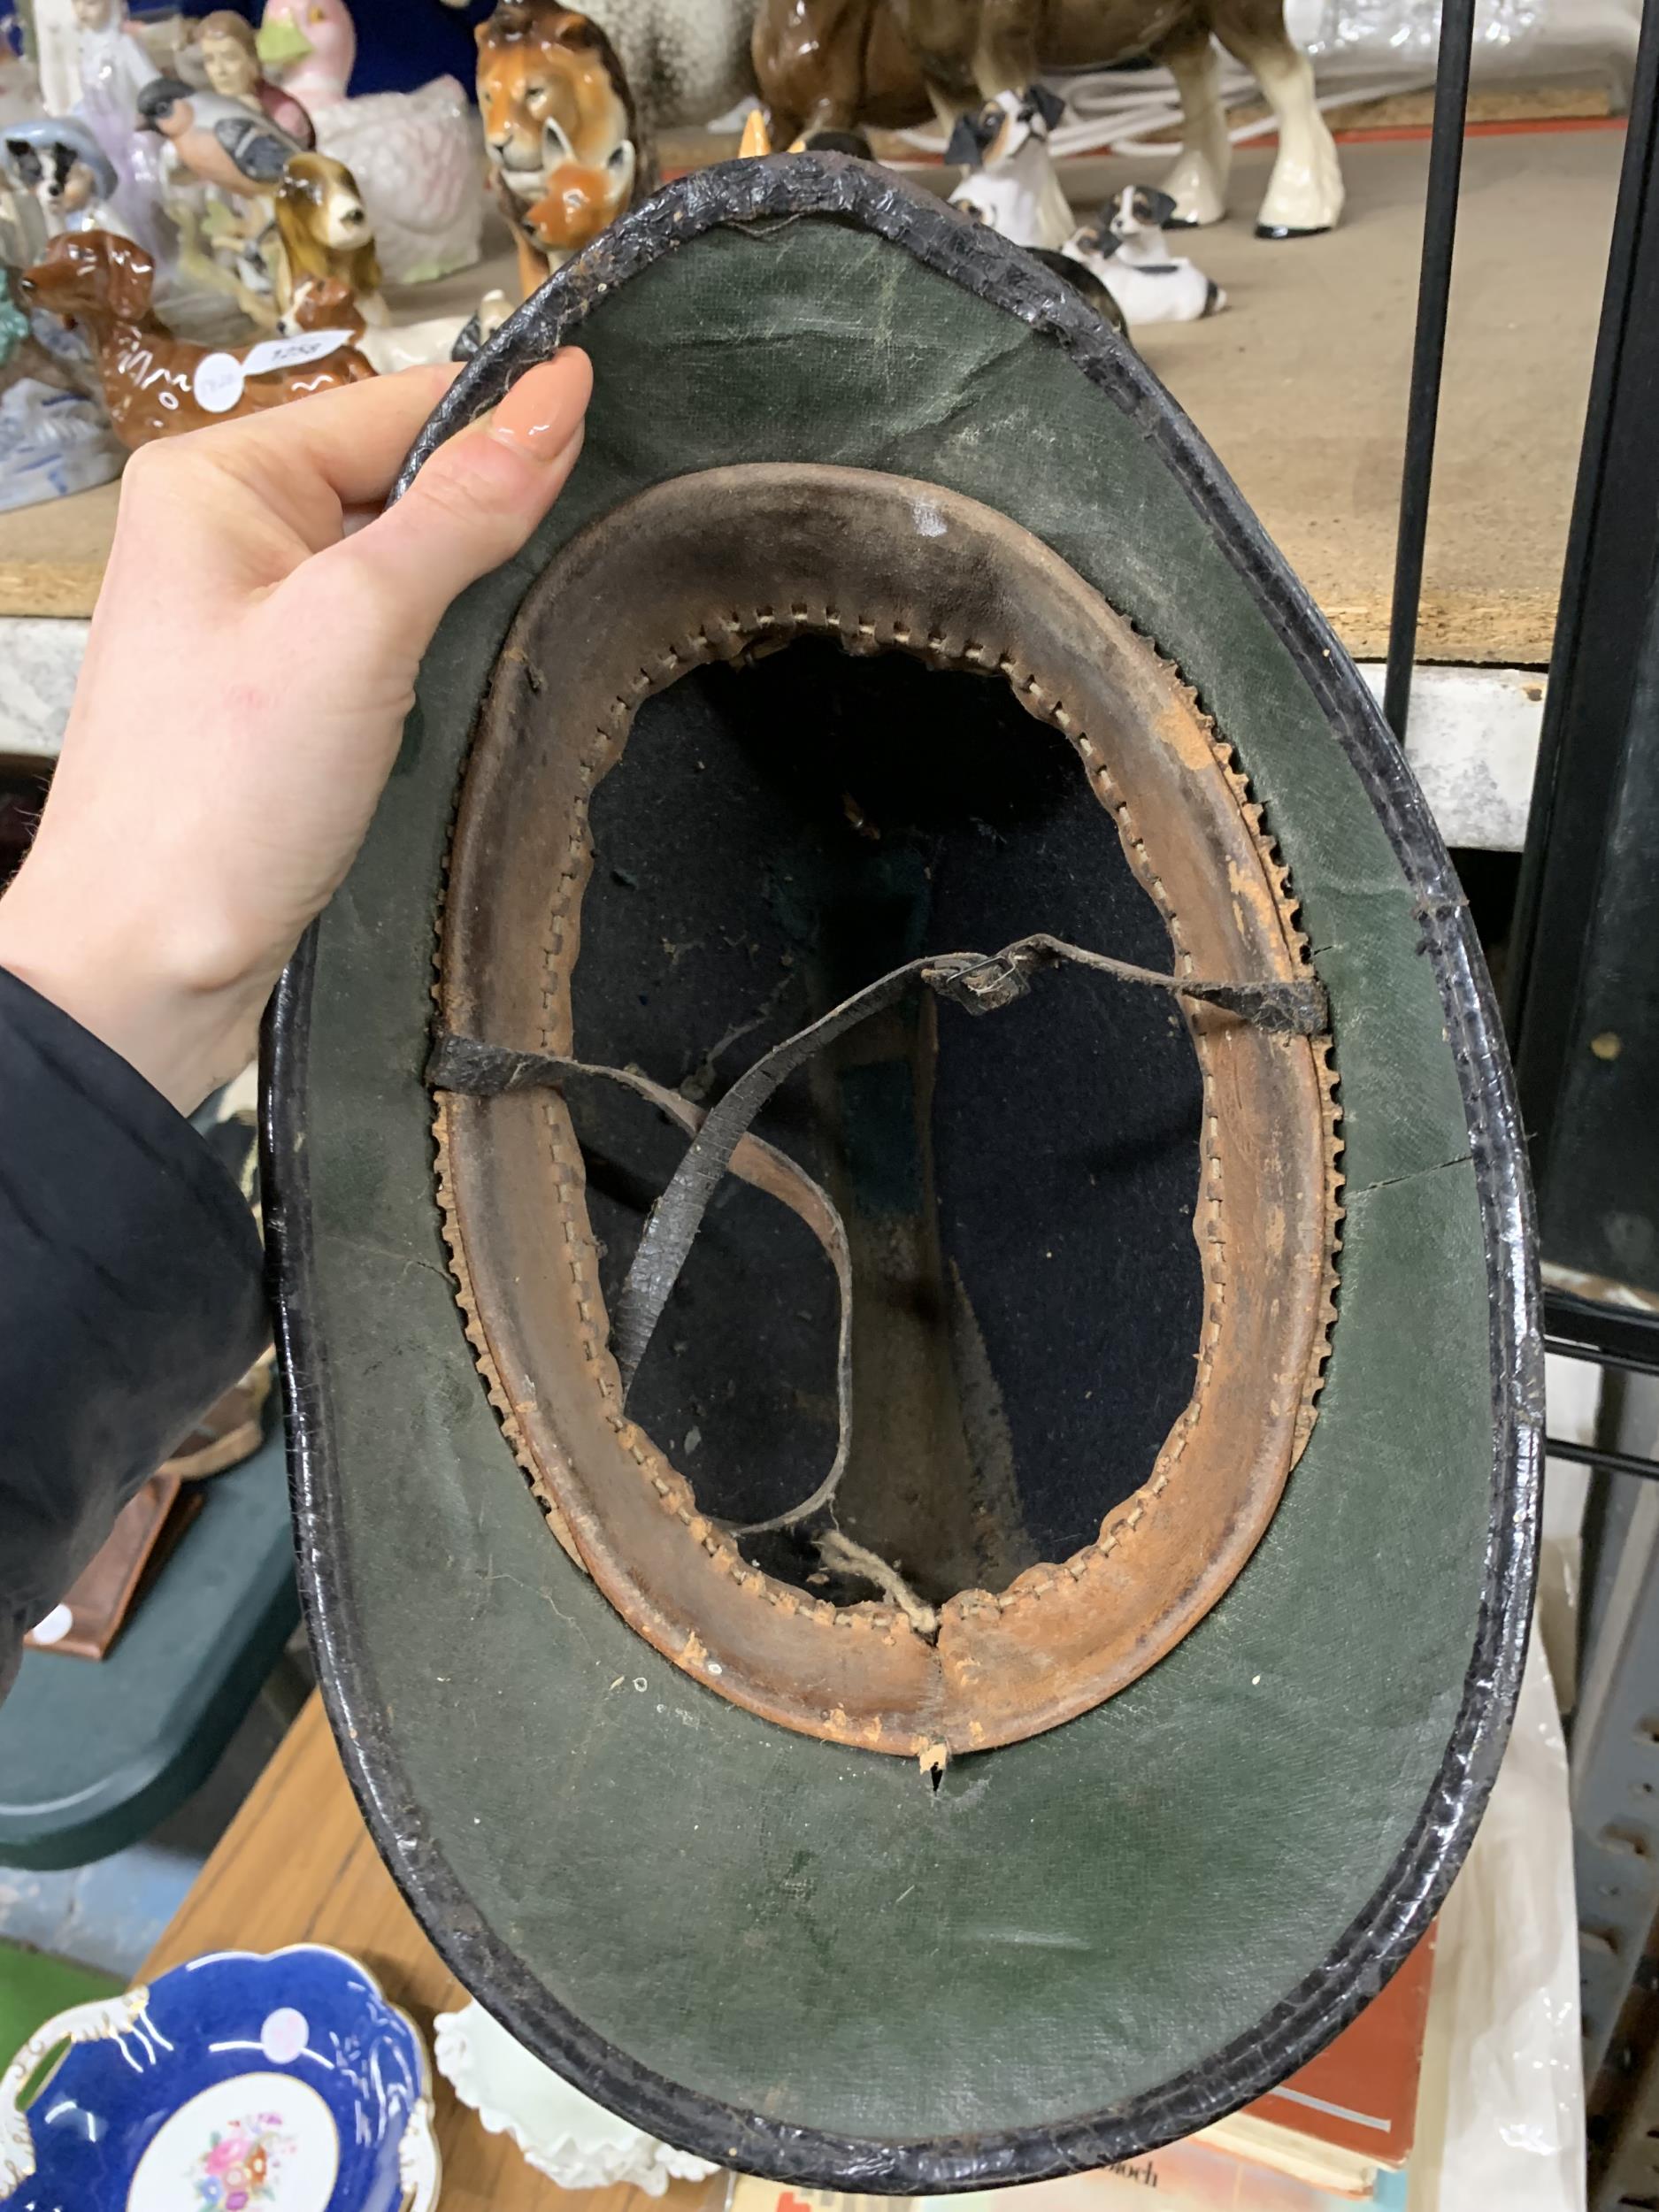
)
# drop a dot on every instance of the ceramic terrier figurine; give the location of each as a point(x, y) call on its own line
point(559, 129)
point(230, 57)
point(1124, 249)
point(60, 163)
point(324, 235)
point(414, 155)
point(156, 385)
point(1011, 182)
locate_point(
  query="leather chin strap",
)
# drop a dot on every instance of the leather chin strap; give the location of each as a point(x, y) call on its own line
point(981, 983)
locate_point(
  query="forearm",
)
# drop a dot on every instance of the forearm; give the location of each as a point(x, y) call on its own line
point(130, 1294)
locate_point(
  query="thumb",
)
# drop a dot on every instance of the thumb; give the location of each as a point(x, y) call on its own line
point(472, 505)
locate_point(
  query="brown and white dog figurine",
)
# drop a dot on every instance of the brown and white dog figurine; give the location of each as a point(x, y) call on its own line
point(560, 130)
point(323, 233)
point(156, 385)
point(1010, 181)
point(1124, 248)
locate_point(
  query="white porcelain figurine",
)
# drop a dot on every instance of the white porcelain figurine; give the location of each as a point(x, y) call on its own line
point(1011, 182)
point(1124, 248)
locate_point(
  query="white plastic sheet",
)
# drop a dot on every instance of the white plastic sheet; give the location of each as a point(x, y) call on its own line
point(1500, 2124)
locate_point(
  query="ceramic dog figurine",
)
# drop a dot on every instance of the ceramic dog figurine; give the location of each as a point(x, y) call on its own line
point(414, 155)
point(559, 129)
point(156, 385)
point(62, 166)
point(1124, 249)
point(323, 233)
point(1011, 182)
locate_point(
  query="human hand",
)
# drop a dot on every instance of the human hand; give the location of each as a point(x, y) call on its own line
point(251, 660)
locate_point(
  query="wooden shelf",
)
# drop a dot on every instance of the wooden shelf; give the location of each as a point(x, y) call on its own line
point(1301, 387)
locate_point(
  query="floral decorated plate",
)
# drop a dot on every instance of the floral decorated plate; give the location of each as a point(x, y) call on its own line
point(234, 2084)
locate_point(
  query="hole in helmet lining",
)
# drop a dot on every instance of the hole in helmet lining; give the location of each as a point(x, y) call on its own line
point(1018, 1191)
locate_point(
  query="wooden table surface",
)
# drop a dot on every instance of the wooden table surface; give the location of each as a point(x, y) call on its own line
point(296, 1865)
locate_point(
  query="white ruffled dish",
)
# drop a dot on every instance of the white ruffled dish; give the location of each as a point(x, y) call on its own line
point(562, 2133)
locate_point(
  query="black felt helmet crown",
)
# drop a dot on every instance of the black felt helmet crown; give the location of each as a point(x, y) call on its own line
point(902, 1248)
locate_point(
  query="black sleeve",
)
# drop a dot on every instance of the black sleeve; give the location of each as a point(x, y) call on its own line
point(130, 1295)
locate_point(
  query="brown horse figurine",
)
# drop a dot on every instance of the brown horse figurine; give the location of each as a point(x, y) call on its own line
point(824, 64)
point(831, 65)
point(151, 379)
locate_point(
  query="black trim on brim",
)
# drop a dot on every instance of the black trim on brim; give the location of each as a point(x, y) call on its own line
point(1380, 1937)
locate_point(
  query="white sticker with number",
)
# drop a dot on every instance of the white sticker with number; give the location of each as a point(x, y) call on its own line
point(293, 353)
point(218, 382)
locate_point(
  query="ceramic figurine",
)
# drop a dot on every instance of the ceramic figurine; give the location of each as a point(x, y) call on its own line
point(218, 142)
point(114, 66)
point(60, 162)
point(156, 385)
point(311, 45)
point(757, 140)
point(55, 437)
point(225, 159)
point(973, 50)
point(1011, 182)
point(831, 65)
point(414, 154)
point(558, 128)
point(687, 61)
point(323, 233)
point(230, 58)
point(1124, 249)
point(561, 2132)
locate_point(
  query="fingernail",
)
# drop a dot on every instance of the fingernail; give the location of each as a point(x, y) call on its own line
point(535, 415)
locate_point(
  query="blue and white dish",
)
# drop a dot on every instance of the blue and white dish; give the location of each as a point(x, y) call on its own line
point(235, 2083)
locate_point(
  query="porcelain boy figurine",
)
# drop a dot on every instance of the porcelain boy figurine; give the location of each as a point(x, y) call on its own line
point(230, 58)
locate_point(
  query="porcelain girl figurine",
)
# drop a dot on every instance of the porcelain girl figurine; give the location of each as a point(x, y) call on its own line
point(114, 68)
point(230, 59)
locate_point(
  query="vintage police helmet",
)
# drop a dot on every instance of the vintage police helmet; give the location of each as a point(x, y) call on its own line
point(903, 1246)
